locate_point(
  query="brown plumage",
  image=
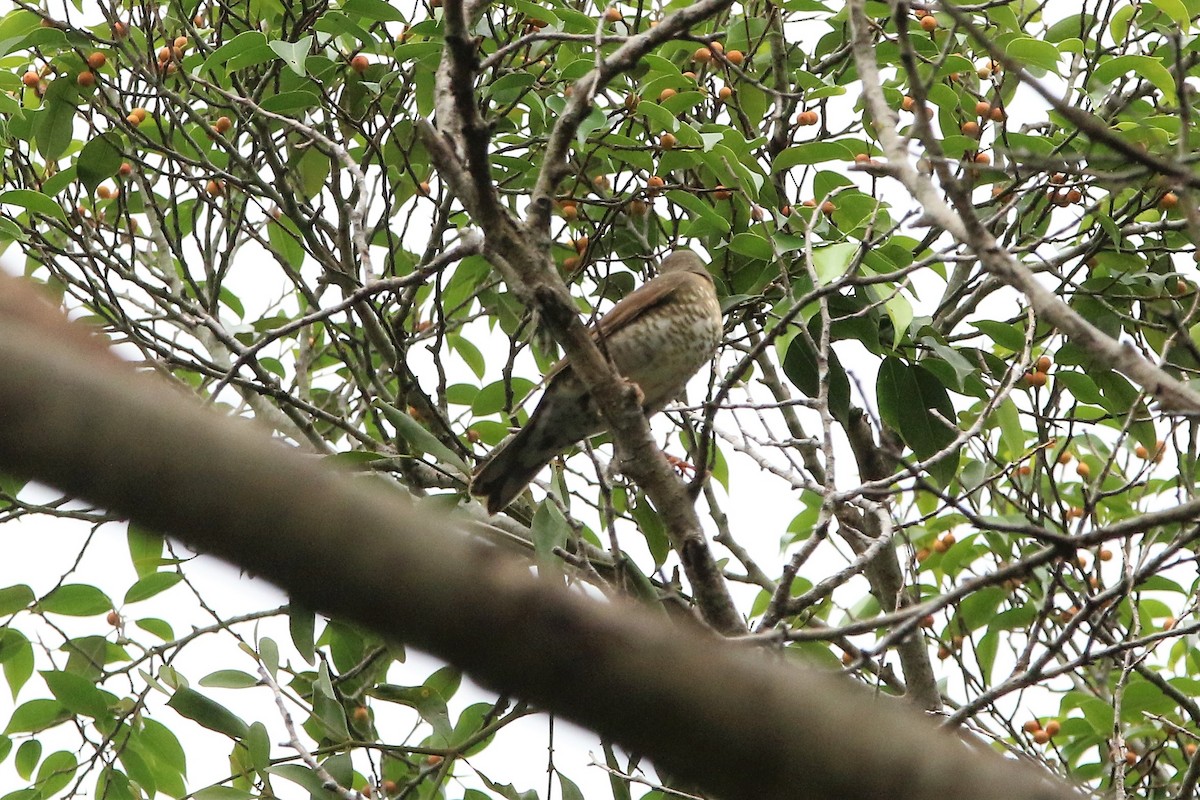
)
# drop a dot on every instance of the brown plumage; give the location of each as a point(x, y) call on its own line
point(657, 337)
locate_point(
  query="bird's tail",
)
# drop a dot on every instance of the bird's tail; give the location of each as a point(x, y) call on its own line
point(510, 468)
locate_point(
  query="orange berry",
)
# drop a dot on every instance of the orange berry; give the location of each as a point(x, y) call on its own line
point(164, 54)
point(113, 618)
point(1044, 363)
point(997, 114)
point(1074, 196)
point(638, 208)
point(361, 714)
point(927, 621)
point(735, 57)
point(943, 652)
point(581, 244)
point(809, 204)
point(1141, 452)
point(721, 193)
point(1036, 378)
point(1032, 726)
point(31, 79)
point(983, 158)
point(725, 93)
point(360, 63)
point(1024, 469)
point(702, 55)
point(223, 124)
point(97, 60)
point(214, 188)
point(569, 211)
point(666, 94)
point(613, 14)
point(1074, 512)
point(602, 183)
point(389, 787)
point(970, 127)
point(104, 192)
point(1105, 554)
point(140, 114)
point(86, 79)
point(908, 103)
point(785, 210)
point(827, 208)
point(423, 188)
point(940, 546)
point(983, 108)
point(717, 47)
point(929, 23)
point(1168, 200)
point(654, 183)
point(862, 158)
point(1041, 737)
point(667, 141)
point(1083, 470)
point(923, 554)
point(120, 30)
point(1190, 749)
point(125, 170)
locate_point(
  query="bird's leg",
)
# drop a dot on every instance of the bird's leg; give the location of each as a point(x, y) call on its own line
point(680, 465)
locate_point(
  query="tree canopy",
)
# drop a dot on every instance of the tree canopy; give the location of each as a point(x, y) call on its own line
point(954, 247)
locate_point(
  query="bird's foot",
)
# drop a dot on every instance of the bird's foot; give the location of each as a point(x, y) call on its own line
point(681, 466)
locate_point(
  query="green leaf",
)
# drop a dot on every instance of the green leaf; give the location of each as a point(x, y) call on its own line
point(294, 54)
point(832, 261)
point(15, 598)
point(28, 756)
point(34, 202)
point(99, 160)
point(302, 624)
point(416, 435)
point(376, 10)
point(229, 679)
point(1034, 52)
point(1007, 335)
point(1145, 66)
point(550, 530)
point(77, 693)
point(145, 550)
point(75, 600)
point(908, 394)
point(800, 366)
point(56, 773)
point(55, 123)
point(240, 45)
point(208, 713)
point(811, 153)
point(151, 585)
point(37, 715)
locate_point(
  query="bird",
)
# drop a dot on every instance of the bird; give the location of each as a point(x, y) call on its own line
point(657, 336)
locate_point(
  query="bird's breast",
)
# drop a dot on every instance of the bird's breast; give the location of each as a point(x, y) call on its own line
point(661, 350)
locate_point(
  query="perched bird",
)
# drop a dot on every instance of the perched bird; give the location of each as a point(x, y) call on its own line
point(657, 337)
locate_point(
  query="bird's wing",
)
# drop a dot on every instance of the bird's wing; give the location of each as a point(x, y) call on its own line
point(648, 296)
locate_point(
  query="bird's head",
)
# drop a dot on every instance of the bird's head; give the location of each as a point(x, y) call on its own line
point(683, 261)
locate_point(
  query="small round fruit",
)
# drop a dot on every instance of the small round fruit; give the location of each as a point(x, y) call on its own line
point(666, 94)
point(389, 787)
point(1083, 470)
point(97, 60)
point(569, 211)
point(1065, 457)
point(717, 47)
point(691, 76)
point(1189, 749)
point(423, 188)
point(104, 192)
point(1074, 196)
point(113, 618)
point(223, 125)
point(1053, 727)
point(1036, 378)
point(1044, 363)
point(785, 210)
point(1105, 554)
point(433, 759)
point(602, 183)
point(1024, 469)
point(970, 127)
point(983, 108)
point(581, 244)
point(862, 158)
point(140, 114)
point(809, 203)
point(1141, 452)
point(757, 213)
point(654, 184)
point(667, 141)
point(360, 63)
point(702, 55)
point(725, 93)
point(1041, 737)
point(120, 30)
point(1168, 200)
point(613, 14)
point(361, 714)
point(735, 57)
point(86, 79)
point(943, 652)
point(125, 170)
point(31, 79)
point(997, 114)
point(908, 103)
point(827, 208)
point(983, 159)
point(181, 43)
point(721, 193)
point(638, 208)
point(164, 54)
point(1032, 726)
point(929, 23)
point(214, 188)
